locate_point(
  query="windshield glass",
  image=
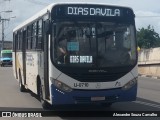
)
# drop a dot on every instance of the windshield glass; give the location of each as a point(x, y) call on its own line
point(92, 44)
point(6, 55)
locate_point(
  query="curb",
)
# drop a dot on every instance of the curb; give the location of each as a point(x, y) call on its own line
point(149, 76)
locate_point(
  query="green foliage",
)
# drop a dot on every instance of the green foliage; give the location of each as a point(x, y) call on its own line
point(148, 38)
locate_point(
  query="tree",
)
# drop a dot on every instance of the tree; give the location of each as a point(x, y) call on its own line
point(148, 38)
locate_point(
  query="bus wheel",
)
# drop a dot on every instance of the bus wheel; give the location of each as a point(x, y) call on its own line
point(21, 86)
point(45, 104)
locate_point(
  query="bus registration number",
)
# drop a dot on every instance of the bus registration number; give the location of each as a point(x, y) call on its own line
point(80, 85)
point(97, 98)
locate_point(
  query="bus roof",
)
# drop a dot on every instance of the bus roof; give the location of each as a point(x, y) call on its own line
point(6, 51)
point(49, 8)
point(38, 15)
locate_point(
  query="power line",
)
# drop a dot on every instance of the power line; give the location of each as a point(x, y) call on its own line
point(3, 20)
point(38, 2)
point(147, 16)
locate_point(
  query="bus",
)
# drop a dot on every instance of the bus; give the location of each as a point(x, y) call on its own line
point(77, 53)
point(5, 57)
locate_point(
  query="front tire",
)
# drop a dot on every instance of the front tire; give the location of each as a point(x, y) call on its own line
point(45, 104)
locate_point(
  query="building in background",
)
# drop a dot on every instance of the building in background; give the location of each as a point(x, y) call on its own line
point(7, 45)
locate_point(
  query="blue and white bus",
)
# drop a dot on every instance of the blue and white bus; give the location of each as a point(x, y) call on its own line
point(78, 53)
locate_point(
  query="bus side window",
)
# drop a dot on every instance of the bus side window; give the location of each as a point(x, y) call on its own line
point(13, 45)
point(39, 34)
point(29, 34)
point(16, 41)
point(19, 41)
point(34, 35)
point(27, 39)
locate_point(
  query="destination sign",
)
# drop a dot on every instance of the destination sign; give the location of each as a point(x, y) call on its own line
point(94, 11)
point(89, 12)
point(81, 59)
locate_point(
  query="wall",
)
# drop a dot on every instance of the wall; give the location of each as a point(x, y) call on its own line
point(149, 62)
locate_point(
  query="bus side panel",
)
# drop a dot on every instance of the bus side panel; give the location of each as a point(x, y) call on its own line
point(41, 66)
point(19, 65)
point(32, 70)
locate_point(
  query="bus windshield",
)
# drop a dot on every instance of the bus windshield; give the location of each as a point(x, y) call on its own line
point(6, 55)
point(94, 44)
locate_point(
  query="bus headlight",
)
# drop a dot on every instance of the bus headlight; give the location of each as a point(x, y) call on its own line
point(130, 84)
point(61, 85)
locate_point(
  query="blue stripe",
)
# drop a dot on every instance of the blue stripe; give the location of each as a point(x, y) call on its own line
point(77, 96)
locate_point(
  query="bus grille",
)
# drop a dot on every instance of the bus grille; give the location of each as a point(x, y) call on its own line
point(5, 61)
point(97, 77)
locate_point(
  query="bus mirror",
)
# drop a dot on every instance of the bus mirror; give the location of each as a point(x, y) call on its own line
point(47, 26)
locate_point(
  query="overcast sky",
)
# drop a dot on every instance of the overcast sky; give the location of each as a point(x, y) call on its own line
point(24, 9)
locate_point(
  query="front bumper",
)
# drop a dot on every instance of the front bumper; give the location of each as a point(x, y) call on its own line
point(85, 96)
point(6, 62)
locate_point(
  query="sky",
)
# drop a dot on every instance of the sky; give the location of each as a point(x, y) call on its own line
point(147, 11)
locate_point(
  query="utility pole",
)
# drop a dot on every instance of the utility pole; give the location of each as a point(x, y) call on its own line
point(3, 21)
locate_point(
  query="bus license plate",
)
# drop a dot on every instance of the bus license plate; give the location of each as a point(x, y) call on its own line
point(97, 98)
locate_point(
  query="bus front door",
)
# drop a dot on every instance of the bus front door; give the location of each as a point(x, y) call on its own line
point(46, 61)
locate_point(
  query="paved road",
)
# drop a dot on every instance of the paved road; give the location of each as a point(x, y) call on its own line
point(148, 99)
